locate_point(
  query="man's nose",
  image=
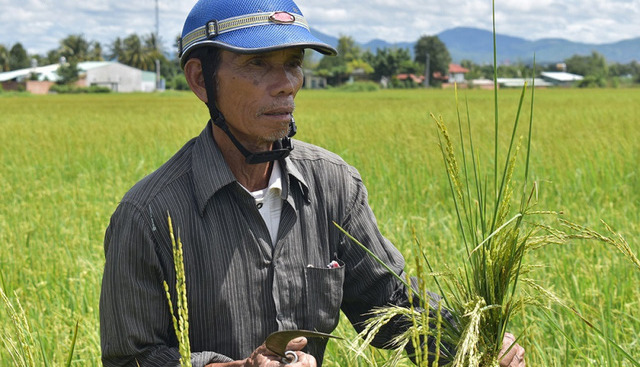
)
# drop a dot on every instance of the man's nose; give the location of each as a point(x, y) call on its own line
point(284, 81)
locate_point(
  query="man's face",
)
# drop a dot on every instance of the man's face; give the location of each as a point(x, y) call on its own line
point(255, 93)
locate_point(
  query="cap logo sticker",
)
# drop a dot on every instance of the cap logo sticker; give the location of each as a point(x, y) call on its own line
point(282, 17)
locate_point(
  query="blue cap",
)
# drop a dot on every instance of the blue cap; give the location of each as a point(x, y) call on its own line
point(247, 26)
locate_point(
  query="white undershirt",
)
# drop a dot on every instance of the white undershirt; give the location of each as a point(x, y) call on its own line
point(269, 202)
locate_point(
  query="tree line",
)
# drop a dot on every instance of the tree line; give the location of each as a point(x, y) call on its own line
point(384, 63)
point(430, 57)
point(389, 62)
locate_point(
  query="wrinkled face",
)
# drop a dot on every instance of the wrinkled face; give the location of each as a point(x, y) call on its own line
point(255, 93)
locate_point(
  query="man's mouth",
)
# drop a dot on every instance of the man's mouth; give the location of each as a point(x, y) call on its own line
point(279, 112)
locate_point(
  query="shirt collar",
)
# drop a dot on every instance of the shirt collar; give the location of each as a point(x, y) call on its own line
point(211, 172)
point(275, 181)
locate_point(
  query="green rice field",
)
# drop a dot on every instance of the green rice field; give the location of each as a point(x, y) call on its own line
point(67, 160)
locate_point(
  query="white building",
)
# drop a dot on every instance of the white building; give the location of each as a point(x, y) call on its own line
point(519, 82)
point(114, 75)
point(561, 78)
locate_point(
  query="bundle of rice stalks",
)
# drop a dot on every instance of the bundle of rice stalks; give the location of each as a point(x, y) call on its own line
point(498, 225)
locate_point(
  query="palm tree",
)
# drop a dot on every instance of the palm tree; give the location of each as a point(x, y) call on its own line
point(75, 48)
point(4, 58)
point(95, 53)
point(116, 50)
point(136, 54)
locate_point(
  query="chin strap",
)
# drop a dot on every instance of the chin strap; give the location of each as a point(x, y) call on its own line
point(281, 148)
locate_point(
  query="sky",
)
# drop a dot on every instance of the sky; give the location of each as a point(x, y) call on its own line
point(40, 24)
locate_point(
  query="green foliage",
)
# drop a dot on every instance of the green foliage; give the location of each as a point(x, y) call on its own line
point(359, 66)
point(68, 73)
point(95, 52)
point(347, 49)
point(359, 87)
point(73, 89)
point(434, 49)
point(52, 57)
point(169, 69)
point(389, 62)
point(4, 59)
point(404, 84)
point(630, 70)
point(592, 81)
point(18, 58)
point(75, 48)
point(138, 52)
point(179, 82)
point(337, 69)
point(594, 65)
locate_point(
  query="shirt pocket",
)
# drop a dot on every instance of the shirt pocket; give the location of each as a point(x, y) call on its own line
point(324, 296)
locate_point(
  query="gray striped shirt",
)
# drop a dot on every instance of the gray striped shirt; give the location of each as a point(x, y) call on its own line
point(240, 288)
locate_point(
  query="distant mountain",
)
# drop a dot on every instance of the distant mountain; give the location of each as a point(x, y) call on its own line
point(477, 45)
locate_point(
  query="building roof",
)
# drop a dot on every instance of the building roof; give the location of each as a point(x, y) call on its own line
point(88, 65)
point(415, 78)
point(561, 76)
point(457, 69)
point(49, 72)
point(482, 81)
point(148, 76)
point(519, 82)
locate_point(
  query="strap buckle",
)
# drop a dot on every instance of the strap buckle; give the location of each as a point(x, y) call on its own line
point(211, 29)
point(179, 47)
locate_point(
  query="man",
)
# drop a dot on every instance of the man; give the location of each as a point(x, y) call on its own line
point(255, 215)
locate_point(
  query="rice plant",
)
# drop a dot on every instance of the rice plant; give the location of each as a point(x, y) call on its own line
point(21, 345)
point(498, 225)
point(181, 316)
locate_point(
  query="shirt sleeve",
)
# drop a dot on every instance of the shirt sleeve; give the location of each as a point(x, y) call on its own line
point(368, 284)
point(135, 323)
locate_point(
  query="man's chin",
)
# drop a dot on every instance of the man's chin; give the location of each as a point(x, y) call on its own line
point(277, 135)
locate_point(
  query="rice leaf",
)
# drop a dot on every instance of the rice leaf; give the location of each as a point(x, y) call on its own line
point(73, 345)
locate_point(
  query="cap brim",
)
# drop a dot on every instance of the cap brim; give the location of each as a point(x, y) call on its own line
point(266, 38)
point(273, 36)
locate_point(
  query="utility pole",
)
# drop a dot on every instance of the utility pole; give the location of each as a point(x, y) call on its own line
point(158, 79)
point(157, 21)
point(427, 72)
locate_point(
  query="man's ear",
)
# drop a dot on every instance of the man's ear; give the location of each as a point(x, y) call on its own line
point(193, 73)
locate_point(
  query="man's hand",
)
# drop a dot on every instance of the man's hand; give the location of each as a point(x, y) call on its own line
point(515, 356)
point(263, 357)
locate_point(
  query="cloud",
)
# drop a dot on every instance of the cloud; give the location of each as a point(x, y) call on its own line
point(41, 24)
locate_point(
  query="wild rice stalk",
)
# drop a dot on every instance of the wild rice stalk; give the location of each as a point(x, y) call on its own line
point(20, 350)
point(181, 322)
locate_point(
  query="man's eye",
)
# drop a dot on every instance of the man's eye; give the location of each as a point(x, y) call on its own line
point(256, 62)
point(295, 63)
